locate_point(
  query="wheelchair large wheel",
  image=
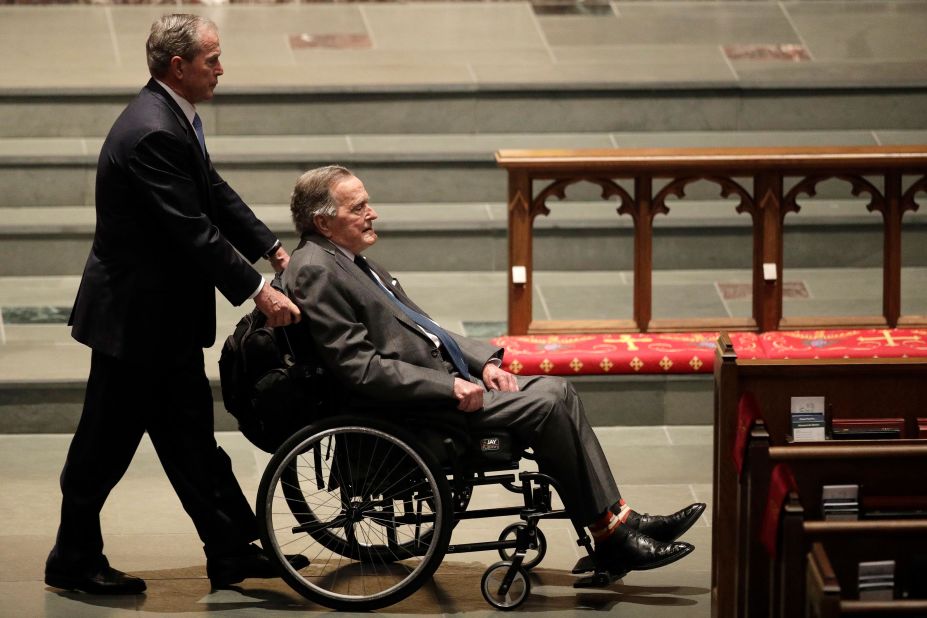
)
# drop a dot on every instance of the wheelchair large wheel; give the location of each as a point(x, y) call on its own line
point(365, 503)
point(335, 540)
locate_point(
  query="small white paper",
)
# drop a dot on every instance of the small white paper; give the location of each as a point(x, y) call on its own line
point(769, 271)
point(808, 419)
point(519, 275)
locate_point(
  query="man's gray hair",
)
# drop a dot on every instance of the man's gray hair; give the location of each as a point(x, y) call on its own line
point(174, 35)
point(312, 196)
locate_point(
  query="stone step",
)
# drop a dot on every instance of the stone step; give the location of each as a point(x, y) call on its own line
point(524, 107)
point(395, 168)
point(472, 236)
point(54, 406)
point(42, 370)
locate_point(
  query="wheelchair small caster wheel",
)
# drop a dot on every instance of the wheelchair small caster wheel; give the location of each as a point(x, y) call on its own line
point(536, 551)
point(514, 595)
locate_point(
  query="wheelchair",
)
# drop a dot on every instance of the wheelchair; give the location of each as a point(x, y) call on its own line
point(373, 507)
point(369, 501)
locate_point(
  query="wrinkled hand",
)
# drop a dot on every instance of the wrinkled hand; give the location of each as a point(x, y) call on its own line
point(468, 394)
point(279, 260)
point(279, 309)
point(498, 379)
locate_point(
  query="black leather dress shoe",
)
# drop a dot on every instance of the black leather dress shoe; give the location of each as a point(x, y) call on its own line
point(252, 563)
point(100, 580)
point(638, 552)
point(668, 528)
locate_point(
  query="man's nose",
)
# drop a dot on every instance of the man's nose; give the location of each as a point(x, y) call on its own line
point(371, 213)
point(219, 69)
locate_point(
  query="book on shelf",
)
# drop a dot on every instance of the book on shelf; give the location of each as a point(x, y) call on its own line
point(840, 502)
point(866, 428)
point(877, 580)
point(808, 419)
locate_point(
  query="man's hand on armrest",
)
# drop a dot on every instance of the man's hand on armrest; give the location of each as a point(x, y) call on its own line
point(498, 379)
point(279, 309)
point(469, 395)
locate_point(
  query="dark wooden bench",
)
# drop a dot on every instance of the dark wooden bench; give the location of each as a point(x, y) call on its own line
point(853, 388)
point(832, 588)
point(771, 583)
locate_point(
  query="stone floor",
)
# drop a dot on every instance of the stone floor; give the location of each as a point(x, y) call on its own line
point(97, 47)
point(147, 533)
point(449, 45)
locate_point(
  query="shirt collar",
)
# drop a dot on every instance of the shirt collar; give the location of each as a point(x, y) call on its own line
point(188, 109)
point(349, 254)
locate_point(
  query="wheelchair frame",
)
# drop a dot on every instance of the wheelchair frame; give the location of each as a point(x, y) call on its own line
point(392, 530)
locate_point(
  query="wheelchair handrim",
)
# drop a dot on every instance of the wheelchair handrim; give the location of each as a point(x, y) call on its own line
point(299, 450)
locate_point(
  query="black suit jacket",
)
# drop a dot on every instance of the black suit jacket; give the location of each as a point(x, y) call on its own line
point(166, 236)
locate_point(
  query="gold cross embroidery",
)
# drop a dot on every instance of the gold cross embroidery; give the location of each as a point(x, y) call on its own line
point(636, 364)
point(606, 365)
point(546, 365)
point(576, 365)
point(696, 363)
point(628, 340)
point(666, 363)
point(515, 366)
point(890, 341)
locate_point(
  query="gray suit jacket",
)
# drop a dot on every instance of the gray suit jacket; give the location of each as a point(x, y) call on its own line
point(362, 337)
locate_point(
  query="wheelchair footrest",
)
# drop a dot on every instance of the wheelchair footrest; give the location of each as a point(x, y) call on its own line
point(586, 564)
point(599, 578)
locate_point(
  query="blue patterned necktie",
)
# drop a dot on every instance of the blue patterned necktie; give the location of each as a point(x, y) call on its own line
point(453, 350)
point(198, 129)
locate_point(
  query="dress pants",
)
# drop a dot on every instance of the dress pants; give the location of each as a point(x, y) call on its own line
point(172, 401)
point(547, 415)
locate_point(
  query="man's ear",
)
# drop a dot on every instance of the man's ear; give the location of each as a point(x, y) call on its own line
point(175, 70)
point(321, 224)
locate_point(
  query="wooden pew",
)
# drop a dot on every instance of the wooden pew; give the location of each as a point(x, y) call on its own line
point(766, 585)
point(828, 597)
point(852, 388)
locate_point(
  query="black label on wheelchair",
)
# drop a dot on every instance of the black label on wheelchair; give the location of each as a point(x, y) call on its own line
point(490, 445)
point(494, 445)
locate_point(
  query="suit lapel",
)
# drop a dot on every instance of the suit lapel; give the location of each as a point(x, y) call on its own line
point(203, 163)
point(370, 286)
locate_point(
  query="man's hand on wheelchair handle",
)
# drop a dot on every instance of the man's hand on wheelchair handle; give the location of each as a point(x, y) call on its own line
point(468, 394)
point(279, 309)
point(498, 379)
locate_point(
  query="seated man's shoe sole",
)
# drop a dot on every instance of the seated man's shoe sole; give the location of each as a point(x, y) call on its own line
point(667, 528)
point(106, 581)
point(638, 552)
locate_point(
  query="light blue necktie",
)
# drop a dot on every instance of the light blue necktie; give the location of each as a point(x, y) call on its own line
point(198, 128)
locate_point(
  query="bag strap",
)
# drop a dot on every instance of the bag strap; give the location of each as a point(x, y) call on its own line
point(277, 284)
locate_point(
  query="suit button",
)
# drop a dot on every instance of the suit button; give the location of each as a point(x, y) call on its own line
point(434, 353)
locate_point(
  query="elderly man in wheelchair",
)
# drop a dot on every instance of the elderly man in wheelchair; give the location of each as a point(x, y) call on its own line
point(407, 419)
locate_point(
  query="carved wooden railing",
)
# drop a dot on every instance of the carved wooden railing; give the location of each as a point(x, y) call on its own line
point(904, 170)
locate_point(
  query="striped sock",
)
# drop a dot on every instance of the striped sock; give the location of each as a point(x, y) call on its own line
point(609, 522)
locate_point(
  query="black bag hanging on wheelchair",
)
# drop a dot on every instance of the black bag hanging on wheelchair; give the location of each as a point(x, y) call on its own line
point(270, 394)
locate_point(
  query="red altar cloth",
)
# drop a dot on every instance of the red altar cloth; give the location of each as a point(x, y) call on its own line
point(682, 353)
point(618, 353)
point(849, 343)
